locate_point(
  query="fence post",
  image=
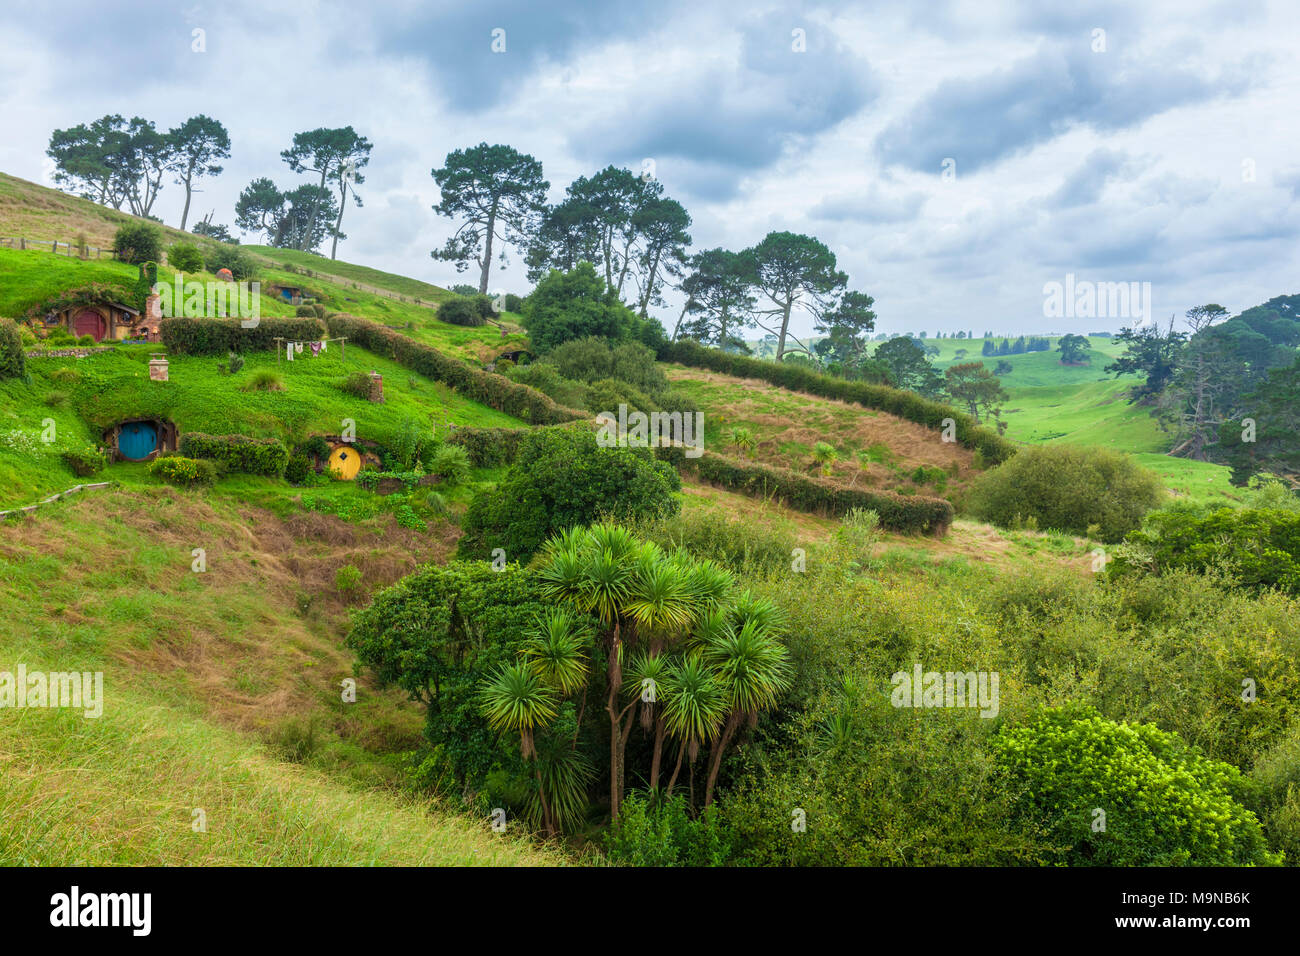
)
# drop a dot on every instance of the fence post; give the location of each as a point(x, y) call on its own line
point(22, 243)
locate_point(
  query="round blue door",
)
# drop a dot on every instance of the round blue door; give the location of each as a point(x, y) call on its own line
point(137, 440)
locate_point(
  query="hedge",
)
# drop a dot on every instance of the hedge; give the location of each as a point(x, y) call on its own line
point(198, 336)
point(994, 448)
point(252, 456)
point(13, 361)
point(486, 388)
point(908, 514)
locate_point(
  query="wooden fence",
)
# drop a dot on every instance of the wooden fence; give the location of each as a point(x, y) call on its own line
point(58, 248)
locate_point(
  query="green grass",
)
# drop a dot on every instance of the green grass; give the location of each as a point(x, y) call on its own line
point(115, 386)
point(30, 277)
point(208, 681)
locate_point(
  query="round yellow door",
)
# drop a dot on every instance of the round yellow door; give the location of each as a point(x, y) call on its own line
point(345, 461)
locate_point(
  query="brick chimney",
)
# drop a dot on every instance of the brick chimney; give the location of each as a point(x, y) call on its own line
point(376, 388)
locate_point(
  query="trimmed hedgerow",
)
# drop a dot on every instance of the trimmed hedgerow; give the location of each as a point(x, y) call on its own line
point(904, 404)
point(486, 388)
point(13, 363)
point(252, 456)
point(197, 336)
point(908, 514)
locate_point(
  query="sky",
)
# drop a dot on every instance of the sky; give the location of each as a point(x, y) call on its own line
point(957, 158)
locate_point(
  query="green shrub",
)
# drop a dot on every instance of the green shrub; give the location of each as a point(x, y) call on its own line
point(661, 832)
point(241, 264)
point(909, 405)
point(357, 384)
point(736, 543)
point(514, 303)
point(547, 379)
point(1164, 803)
point(137, 242)
point(185, 257)
point(1067, 488)
point(563, 478)
point(347, 578)
point(86, 341)
point(183, 335)
point(451, 464)
point(1260, 548)
point(305, 311)
point(461, 311)
point(913, 514)
point(593, 358)
point(263, 380)
point(186, 472)
point(86, 460)
point(488, 447)
point(13, 362)
point(607, 394)
point(298, 469)
point(251, 456)
point(65, 375)
point(495, 391)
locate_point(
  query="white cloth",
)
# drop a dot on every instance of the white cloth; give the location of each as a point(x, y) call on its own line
point(297, 347)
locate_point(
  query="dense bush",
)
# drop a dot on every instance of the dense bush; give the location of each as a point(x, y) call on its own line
point(1067, 488)
point(241, 264)
point(495, 391)
point(461, 311)
point(137, 242)
point(607, 394)
point(735, 543)
point(561, 479)
point(450, 463)
point(909, 514)
point(547, 379)
point(577, 304)
point(895, 401)
point(435, 634)
point(357, 384)
point(1260, 548)
point(86, 460)
point(592, 358)
point(1164, 803)
point(514, 303)
point(489, 447)
point(662, 832)
point(251, 456)
point(13, 363)
point(186, 472)
point(197, 336)
point(185, 257)
point(298, 469)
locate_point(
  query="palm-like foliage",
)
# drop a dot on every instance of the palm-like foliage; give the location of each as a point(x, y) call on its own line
point(564, 776)
point(516, 699)
point(825, 455)
point(694, 703)
point(557, 652)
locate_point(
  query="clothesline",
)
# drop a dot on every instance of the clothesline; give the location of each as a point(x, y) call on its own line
point(293, 348)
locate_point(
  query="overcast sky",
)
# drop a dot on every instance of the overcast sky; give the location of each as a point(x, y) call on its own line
point(1162, 150)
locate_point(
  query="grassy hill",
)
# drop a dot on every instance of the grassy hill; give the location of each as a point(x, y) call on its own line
point(220, 694)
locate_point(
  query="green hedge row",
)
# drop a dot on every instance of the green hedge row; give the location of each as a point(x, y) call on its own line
point(251, 456)
point(895, 401)
point(907, 514)
point(197, 336)
point(486, 388)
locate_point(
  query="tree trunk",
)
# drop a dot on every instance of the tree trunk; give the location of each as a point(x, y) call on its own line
point(615, 725)
point(189, 177)
point(547, 819)
point(785, 324)
point(487, 251)
point(315, 207)
point(677, 768)
point(678, 327)
point(715, 758)
point(649, 285)
point(338, 223)
point(658, 753)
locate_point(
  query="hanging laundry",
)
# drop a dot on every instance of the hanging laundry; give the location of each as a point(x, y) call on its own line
point(288, 351)
point(324, 345)
point(315, 349)
point(297, 347)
